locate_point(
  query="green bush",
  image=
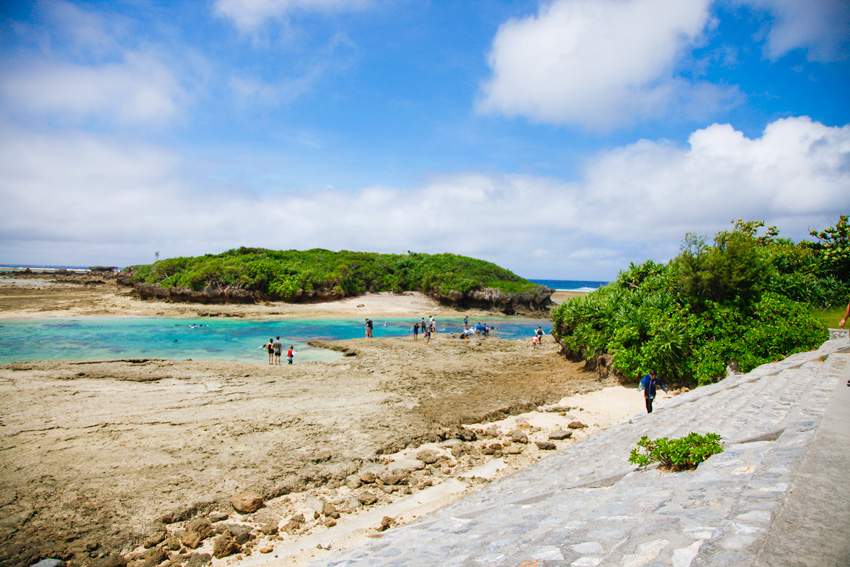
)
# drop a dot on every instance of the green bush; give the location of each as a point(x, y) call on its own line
point(833, 249)
point(283, 274)
point(743, 300)
point(680, 454)
point(730, 269)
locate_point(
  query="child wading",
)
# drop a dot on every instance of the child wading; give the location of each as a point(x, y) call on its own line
point(648, 384)
point(269, 347)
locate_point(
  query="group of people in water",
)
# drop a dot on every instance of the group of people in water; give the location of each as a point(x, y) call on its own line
point(479, 330)
point(275, 350)
point(426, 329)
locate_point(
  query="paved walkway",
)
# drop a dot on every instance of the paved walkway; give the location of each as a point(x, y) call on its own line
point(778, 494)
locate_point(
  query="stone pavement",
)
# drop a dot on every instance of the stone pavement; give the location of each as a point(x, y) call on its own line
point(587, 506)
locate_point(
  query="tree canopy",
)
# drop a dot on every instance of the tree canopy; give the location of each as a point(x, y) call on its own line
point(743, 300)
point(284, 274)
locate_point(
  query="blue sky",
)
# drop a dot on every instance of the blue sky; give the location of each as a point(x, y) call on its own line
point(559, 139)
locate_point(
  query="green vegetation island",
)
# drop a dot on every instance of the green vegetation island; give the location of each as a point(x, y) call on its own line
point(250, 275)
point(748, 298)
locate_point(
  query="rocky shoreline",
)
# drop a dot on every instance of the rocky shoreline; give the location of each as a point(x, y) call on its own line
point(100, 458)
point(247, 525)
point(97, 454)
point(484, 298)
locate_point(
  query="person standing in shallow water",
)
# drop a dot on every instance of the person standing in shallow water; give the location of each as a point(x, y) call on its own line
point(415, 330)
point(369, 327)
point(648, 384)
point(270, 349)
point(290, 354)
point(277, 347)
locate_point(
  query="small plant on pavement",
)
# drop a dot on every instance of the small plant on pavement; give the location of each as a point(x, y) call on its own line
point(676, 454)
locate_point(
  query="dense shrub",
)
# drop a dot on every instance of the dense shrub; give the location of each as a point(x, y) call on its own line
point(743, 301)
point(833, 248)
point(284, 274)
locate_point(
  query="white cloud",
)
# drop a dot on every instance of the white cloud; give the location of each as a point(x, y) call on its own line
point(822, 27)
point(104, 201)
point(795, 174)
point(85, 68)
point(248, 15)
point(80, 188)
point(138, 90)
point(599, 63)
point(251, 91)
point(83, 30)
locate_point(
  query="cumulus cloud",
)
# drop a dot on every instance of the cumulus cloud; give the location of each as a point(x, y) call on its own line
point(632, 203)
point(821, 27)
point(78, 67)
point(796, 174)
point(95, 189)
point(599, 63)
point(138, 90)
point(248, 15)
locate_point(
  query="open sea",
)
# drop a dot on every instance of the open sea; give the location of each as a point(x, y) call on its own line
point(7, 267)
point(570, 285)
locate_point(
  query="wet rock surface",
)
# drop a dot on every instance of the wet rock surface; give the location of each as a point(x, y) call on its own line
point(98, 462)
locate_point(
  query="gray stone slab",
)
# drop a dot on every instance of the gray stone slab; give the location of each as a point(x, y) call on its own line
point(587, 506)
point(813, 527)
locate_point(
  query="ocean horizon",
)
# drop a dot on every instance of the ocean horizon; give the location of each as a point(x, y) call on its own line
point(570, 285)
point(12, 266)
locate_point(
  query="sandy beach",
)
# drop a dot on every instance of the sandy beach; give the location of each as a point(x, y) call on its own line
point(100, 456)
point(82, 296)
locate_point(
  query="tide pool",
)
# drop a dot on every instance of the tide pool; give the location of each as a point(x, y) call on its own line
point(109, 338)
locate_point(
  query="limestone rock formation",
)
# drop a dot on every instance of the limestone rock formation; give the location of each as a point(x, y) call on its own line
point(246, 502)
point(485, 298)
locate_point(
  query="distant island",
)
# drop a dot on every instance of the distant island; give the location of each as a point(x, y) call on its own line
point(250, 275)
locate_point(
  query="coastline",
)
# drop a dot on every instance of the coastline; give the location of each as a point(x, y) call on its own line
point(94, 296)
point(562, 295)
point(140, 441)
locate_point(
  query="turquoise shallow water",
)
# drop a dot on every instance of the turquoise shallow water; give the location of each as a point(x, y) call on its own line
point(103, 338)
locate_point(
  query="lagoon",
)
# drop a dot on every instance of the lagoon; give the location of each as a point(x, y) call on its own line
point(238, 340)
